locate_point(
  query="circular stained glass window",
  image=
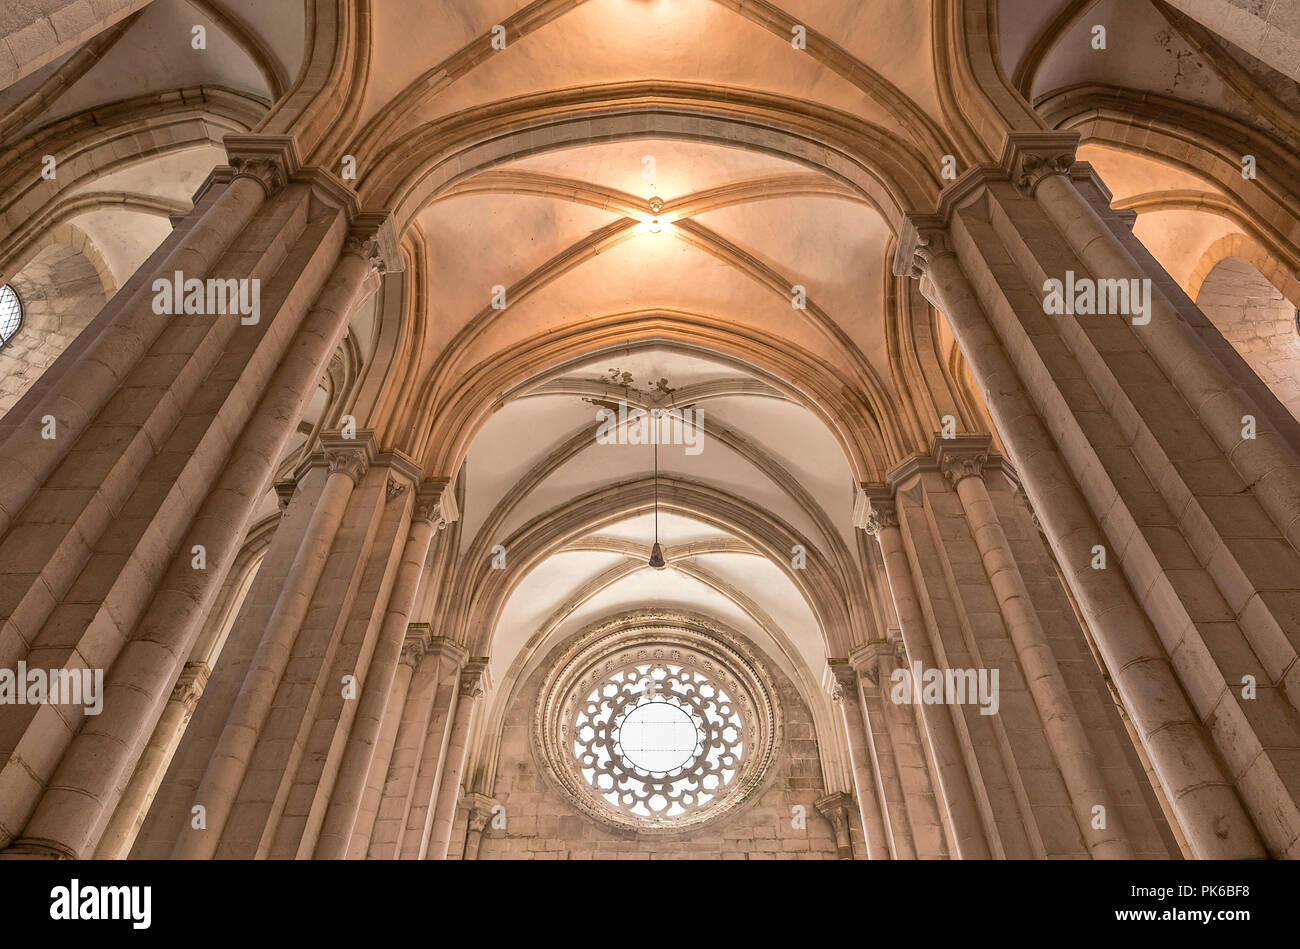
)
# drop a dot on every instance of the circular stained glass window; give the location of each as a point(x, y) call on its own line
point(11, 313)
point(658, 722)
point(658, 740)
point(658, 737)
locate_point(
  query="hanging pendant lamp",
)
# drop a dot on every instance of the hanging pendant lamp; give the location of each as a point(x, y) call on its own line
point(656, 552)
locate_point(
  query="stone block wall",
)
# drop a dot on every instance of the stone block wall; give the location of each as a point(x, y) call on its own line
point(61, 292)
point(543, 824)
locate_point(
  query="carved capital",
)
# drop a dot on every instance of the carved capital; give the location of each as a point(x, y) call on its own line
point(348, 456)
point(284, 492)
point(475, 679)
point(270, 160)
point(193, 680)
point(394, 489)
point(265, 171)
point(923, 240)
point(874, 509)
point(964, 456)
point(416, 644)
point(835, 808)
point(1032, 157)
point(479, 810)
point(373, 239)
point(435, 503)
point(959, 467)
point(352, 462)
point(844, 682)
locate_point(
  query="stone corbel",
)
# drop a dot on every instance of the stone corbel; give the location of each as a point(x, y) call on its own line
point(435, 503)
point(843, 681)
point(476, 678)
point(373, 239)
point(403, 474)
point(189, 687)
point(418, 640)
point(446, 650)
point(835, 808)
point(866, 659)
point(922, 240)
point(284, 492)
point(874, 509)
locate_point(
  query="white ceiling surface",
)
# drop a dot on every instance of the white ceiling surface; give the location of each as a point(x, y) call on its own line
point(605, 41)
point(157, 54)
point(527, 430)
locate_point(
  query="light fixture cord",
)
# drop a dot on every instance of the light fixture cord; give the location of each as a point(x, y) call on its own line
point(656, 480)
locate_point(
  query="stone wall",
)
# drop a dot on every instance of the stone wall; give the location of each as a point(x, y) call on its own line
point(542, 824)
point(1259, 322)
point(61, 292)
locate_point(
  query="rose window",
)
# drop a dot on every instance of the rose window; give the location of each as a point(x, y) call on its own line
point(658, 721)
point(658, 740)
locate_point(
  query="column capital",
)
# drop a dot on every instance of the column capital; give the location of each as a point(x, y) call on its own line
point(435, 503)
point(874, 509)
point(284, 492)
point(1032, 157)
point(447, 649)
point(476, 678)
point(373, 239)
point(835, 808)
point(922, 240)
point(193, 680)
point(866, 658)
point(270, 160)
point(963, 456)
point(843, 681)
point(417, 642)
point(349, 456)
point(394, 488)
point(480, 809)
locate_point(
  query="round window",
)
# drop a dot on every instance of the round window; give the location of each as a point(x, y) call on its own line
point(657, 728)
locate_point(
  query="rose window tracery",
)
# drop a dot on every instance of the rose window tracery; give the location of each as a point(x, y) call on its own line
point(658, 739)
point(658, 721)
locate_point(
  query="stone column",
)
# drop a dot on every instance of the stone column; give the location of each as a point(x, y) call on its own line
point(925, 824)
point(481, 810)
point(348, 460)
point(962, 461)
point(883, 755)
point(435, 508)
point(90, 777)
point(413, 650)
point(1189, 767)
point(1266, 462)
point(473, 685)
point(134, 805)
point(835, 808)
point(123, 332)
point(879, 517)
point(411, 784)
point(846, 697)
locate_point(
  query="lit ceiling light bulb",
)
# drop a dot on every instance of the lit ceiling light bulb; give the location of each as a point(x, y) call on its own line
point(655, 224)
